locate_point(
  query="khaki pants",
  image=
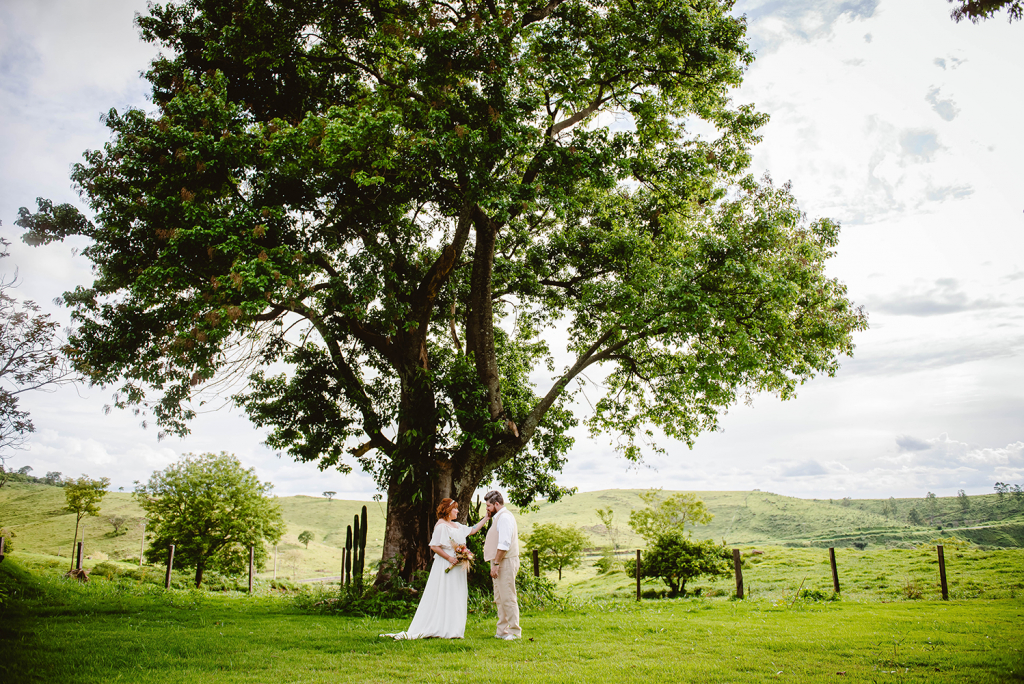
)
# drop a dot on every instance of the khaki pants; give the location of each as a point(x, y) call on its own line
point(506, 599)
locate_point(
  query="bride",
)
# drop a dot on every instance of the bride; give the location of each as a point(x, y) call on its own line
point(442, 609)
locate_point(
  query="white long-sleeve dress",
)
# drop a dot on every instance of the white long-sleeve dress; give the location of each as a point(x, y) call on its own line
point(442, 609)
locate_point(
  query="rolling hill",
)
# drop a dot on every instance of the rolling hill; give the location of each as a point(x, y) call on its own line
point(34, 513)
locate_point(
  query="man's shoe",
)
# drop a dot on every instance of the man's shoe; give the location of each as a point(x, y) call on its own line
point(509, 637)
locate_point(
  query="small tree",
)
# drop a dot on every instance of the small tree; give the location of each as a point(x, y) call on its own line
point(558, 546)
point(914, 517)
point(54, 477)
point(889, 508)
point(118, 521)
point(305, 537)
point(964, 502)
point(931, 503)
point(212, 510)
point(675, 558)
point(329, 495)
point(31, 359)
point(668, 516)
point(1018, 494)
point(83, 498)
point(607, 518)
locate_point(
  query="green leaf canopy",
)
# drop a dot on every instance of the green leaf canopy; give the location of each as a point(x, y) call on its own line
point(381, 213)
point(212, 510)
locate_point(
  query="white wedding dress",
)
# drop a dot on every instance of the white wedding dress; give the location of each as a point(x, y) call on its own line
point(442, 609)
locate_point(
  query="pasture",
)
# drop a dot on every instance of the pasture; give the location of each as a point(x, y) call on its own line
point(108, 631)
point(748, 519)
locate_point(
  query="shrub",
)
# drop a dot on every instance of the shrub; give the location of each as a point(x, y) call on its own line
point(606, 562)
point(108, 570)
point(955, 543)
point(911, 589)
point(817, 595)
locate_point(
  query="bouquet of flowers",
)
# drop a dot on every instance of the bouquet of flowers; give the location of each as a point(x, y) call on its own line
point(463, 557)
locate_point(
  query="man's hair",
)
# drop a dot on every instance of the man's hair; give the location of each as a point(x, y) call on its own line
point(493, 497)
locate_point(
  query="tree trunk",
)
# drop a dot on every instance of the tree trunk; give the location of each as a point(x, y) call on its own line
point(409, 525)
point(77, 521)
point(199, 573)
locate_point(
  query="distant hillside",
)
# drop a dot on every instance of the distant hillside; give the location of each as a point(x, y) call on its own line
point(763, 518)
point(35, 514)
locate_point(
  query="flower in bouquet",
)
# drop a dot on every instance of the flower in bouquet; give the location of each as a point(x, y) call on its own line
point(463, 557)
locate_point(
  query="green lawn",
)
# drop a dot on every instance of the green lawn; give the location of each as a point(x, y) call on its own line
point(52, 630)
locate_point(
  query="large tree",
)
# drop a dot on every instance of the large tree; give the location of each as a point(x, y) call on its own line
point(213, 510)
point(405, 203)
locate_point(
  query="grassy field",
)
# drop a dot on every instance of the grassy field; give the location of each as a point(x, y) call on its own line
point(878, 575)
point(35, 513)
point(764, 518)
point(55, 630)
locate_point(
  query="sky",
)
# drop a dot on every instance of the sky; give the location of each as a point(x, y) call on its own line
point(885, 115)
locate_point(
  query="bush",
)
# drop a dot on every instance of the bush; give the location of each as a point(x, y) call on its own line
point(955, 543)
point(108, 570)
point(818, 595)
point(606, 562)
point(911, 589)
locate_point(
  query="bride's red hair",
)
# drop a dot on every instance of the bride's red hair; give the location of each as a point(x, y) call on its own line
point(444, 508)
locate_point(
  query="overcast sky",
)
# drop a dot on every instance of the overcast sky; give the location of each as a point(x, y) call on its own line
point(885, 115)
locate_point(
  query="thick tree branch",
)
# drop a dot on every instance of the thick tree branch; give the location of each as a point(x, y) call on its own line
point(540, 13)
point(582, 114)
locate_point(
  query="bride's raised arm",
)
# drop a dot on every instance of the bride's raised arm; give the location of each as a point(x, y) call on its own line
point(476, 528)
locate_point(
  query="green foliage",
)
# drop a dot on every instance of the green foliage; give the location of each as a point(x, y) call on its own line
point(963, 501)
point(977, 10)
point(607, 518)
point(669, 516)
point(305, 537)
point(425, 191)
point(606, 562)
point(675, 558)
point(212, 510)
point(915, 517)
point(559, 546)
point(83, 495)
point(8, 534)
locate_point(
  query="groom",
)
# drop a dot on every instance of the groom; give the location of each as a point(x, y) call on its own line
point(501, 549)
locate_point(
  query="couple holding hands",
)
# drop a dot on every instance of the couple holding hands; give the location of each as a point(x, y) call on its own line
point(442, 609)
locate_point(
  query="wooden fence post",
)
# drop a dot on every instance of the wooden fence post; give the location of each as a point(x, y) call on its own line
point(942, 573)
point(275, 561)
point(2, 549)
point(170, 564)
point(638, 574)
point(142, 548)
point(252, 558)
point(536, 563)
point(78, 556)
point(737, 563)
point(835, 571)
